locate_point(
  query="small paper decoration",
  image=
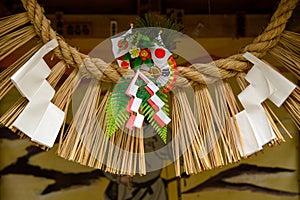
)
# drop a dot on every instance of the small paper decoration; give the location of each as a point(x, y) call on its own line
point(41, 119)
point(120, 45)
point(165, 64)
point(265, 83)
point(134, 104)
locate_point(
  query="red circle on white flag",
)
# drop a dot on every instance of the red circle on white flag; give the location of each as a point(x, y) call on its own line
point(120, 44)
point(160, 53)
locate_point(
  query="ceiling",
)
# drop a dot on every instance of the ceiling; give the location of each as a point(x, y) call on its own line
point(132, 6)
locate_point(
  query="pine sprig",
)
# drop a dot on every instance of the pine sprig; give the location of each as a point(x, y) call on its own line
point(154, 20)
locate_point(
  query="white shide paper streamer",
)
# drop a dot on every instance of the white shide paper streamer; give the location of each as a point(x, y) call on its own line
point(40, 120)
point(265, 83)
point(136, 103)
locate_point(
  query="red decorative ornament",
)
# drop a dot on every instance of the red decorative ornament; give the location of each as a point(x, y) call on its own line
point(145, 53)
point(125, 44)
point(155, 71)
point(125, 64)
point(160, 53)
point(174, 74)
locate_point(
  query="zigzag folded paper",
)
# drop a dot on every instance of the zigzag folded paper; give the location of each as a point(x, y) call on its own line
point(265, 83)
point(135, 103)
point(40, 120)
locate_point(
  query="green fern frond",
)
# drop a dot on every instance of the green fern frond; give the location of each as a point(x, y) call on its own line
point(116, 107)
point(163, 134)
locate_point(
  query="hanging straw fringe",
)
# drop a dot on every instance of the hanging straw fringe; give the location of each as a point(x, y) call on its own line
point(227, 108)
point(209, 125)
point(186, 138)
point(287, 52)
point(292, 106)
point(5, 83)
point(126, 153)
point(11, 23)
point(72, 147)
point(86, 141)
point(9, 43)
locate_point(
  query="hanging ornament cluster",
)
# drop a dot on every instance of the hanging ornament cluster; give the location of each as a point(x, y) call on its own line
point(145, 97)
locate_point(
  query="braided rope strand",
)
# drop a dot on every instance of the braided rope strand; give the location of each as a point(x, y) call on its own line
point(227, 67)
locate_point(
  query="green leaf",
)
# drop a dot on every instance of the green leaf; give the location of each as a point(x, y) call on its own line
point(127, 56)
point(148, 62)
point(145, 38)
point(137, 63)
point(147, 44)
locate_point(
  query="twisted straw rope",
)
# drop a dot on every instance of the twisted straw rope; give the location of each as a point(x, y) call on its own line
point(197, 73)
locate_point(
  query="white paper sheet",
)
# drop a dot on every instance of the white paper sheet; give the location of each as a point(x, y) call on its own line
point(138, 122)
point(163, 117)
point(49, 124)
point(41, 119)
point(136, 104)
point(157, 101)
point(250, 142)
point(31, 75)
point(265, 83)
point(29, 119)
point(283, 86)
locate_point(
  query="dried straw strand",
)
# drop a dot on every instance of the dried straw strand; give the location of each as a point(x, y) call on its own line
point(292, 106)
point(9, 43)
point(232, 125)
point(186, 137)
point(287, 52)
point(209, 125)
point(226, 110)
point(5, 83)
point(11, 23)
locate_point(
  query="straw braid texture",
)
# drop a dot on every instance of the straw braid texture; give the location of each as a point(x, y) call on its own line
point(228, 67)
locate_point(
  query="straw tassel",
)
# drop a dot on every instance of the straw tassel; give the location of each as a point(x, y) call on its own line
point(13, 22)
point(209, 124)
point(287, 52)
point(84, 117)
point(126, 153)
point(5, 83)
point(12, 41)
point(86, 141)
point(227, 109)
point(186, 137)
point(292, 106)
